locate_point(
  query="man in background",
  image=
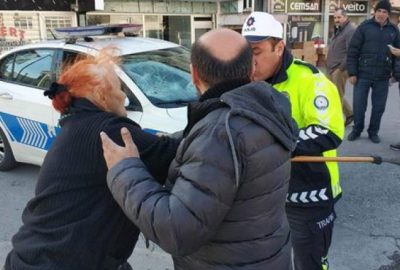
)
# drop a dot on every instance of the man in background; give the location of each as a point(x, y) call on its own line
point(336, 59)
point(370, 65)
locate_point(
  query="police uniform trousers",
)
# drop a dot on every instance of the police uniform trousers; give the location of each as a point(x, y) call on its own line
point(311, 235)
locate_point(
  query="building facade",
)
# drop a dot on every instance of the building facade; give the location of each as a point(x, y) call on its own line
point(179, 21)
point(29, 21)
point(303, 20)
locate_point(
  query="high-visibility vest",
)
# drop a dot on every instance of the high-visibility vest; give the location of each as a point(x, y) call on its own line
point(315, 102)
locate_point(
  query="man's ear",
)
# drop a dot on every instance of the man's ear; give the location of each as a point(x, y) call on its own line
point(195, 75)
point(280, 48)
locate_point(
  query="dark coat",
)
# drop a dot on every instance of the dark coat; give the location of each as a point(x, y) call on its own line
point(337, 52)
point(224, 204)
point(73, 222)
point(368, 55)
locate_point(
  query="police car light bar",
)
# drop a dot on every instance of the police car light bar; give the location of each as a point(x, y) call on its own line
point(97, 30)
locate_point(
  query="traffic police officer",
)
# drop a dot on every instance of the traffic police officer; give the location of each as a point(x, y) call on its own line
point(316, 107)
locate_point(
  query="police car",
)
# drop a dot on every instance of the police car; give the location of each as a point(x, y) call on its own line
point(154, 74)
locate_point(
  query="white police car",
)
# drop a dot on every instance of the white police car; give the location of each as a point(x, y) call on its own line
point(154, 75)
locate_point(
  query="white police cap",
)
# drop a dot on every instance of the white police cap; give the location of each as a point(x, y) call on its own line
point(260, 26)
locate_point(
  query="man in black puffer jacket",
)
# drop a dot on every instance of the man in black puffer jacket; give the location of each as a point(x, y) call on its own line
point(224, 203)
point(370, 65)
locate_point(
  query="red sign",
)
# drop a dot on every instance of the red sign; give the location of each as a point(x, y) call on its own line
point(11, 32)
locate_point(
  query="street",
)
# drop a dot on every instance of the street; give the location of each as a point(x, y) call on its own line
point(367, 230)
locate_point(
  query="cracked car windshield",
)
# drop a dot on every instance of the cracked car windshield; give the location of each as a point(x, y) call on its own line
point(163, 76)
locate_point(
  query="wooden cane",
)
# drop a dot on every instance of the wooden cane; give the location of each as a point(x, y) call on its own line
point(371, 159)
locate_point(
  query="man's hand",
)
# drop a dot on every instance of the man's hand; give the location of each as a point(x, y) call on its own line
point(394, 51)
point(353, 80)
point(113, 153)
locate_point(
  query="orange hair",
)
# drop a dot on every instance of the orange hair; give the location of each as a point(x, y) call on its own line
point(88, 77)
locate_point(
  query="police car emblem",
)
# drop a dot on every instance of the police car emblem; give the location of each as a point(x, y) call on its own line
point(250, 21)
point(321, 103)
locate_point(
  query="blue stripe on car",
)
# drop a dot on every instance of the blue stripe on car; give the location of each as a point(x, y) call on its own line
point(34, 133)
point(29, 132)
point(151, 131)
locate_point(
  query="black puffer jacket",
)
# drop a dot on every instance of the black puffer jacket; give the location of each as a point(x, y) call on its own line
point(368, 55)
point(224, 206)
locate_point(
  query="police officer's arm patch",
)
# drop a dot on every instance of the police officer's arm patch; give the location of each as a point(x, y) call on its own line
point(321, 103)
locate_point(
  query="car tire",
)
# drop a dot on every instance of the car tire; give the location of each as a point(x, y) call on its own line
point(7, 160)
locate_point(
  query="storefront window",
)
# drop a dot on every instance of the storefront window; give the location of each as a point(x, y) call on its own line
point(178, 29)
point(228, 7)
point(98, 19)
point(56, 22)
point(154, 26)
point(23, 22)
point(303, 28)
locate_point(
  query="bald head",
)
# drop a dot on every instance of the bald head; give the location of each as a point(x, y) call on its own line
point(221, 55)
point(224, 44)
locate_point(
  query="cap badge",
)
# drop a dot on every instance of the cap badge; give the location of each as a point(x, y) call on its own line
point(250, 21)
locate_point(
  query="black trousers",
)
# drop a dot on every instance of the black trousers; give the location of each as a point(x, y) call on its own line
point(360, 101)
point(311, 235)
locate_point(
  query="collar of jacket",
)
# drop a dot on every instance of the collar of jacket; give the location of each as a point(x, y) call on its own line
point(210, 101)
point(373, 21)
point(79, 105)
point(282, 76)
point(340, 28)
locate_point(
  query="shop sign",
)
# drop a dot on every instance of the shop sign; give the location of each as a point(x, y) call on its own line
point(304, 28)
point(304, 6)
point(11, 32)
point(354, 6)
point(278, 6)
point(359, 7)
point(11, 37)
point(333, 4)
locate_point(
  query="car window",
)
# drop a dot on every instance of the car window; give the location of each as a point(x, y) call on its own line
point(6, 67)
point(69, 58)
point(34, 67)
point(163, 76)
point(134, 104)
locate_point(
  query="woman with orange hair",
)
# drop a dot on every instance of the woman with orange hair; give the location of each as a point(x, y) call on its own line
point(73, 222)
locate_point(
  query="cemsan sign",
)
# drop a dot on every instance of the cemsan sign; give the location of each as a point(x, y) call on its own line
point(304, 6)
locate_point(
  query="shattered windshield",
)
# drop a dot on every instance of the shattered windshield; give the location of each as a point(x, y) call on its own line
point(163, 76)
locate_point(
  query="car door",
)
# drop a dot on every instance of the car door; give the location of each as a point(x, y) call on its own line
point(26, 115)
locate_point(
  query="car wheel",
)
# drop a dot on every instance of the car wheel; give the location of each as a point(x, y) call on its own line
point(7, 160)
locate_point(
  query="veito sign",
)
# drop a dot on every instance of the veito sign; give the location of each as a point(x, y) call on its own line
point(349, 6)
point(355, 7)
